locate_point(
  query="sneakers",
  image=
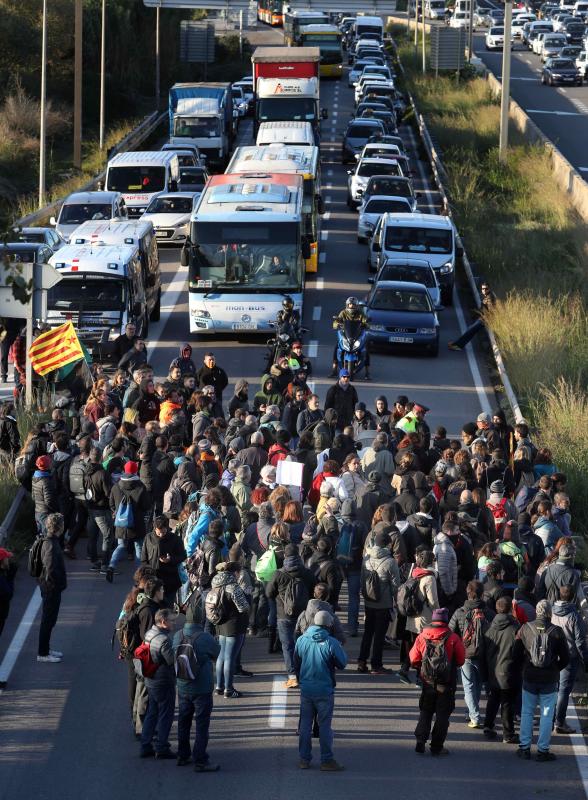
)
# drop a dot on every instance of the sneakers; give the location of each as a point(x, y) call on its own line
point(524, 752)
point(233, 694)
point(291, 683)
point(49, 659)
point(442, 752)
point(332, 766)
point(303, 764)
point(362, 667)
point(472, 724)
point(219, 691)
point(147, 753)
point(208, 767)
point(404, 678)
point(565, 728)
point(96, 566)
point(55, 653)
point(453, 346)
point(545, 755)
point(419, 747)
point(514, 739)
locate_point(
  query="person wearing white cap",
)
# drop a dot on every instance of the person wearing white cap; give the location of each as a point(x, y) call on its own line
point(316, 657)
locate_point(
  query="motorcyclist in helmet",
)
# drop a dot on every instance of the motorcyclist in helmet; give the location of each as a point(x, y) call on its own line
point(288, 319)
point(352, 312)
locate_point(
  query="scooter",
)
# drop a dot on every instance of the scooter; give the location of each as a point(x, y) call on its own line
point(352, 343)
point(281, 344)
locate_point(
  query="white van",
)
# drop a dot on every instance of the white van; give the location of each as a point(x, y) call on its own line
point(102, 289)
point(141, 175)
point(435, 9)
point(82, 206)
point(285, 132)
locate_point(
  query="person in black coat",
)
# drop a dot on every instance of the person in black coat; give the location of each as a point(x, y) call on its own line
point(52, 582)
point(375, 493)
point(326, 569)
point(163, 551)
point(342, 397)
point(133, 492)
point(9, 435)
point(212, 375)
point(163, 471)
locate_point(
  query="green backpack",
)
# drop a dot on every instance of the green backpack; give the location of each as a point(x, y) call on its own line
point(266, 566)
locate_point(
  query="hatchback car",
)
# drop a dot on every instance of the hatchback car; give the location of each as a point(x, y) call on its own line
point(401, 313)
point(170, 216)
point(192, 179)
point(560, 70)
point(358, 67)
point(40, 236)
point(356, 137)
point(391, 186)
point(411, 270)
point(372, 209)
point(359, 177)
point(495, 38)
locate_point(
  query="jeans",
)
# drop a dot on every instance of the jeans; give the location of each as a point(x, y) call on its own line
point(99, 524)
point(199, 708)
point(40, 520)
point(286, 629)
point(504, 699)
point(567, 679)
point(51, 603)
point(159, 717)
point(472, 688)
point(546, 700)
point(353, 588)
point(323, 708)
point(121, 549)
point(376, 625)
point(227, 658)
point(469, 333)
point(439, 704)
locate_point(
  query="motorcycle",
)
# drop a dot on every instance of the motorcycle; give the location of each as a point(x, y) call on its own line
point(351, 346)
point(281, 343)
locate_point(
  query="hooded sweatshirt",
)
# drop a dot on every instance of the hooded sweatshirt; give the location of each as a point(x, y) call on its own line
point(293, 568)
point(316, 657)
point(240, 398)
point(446, 563)
point(148, 404)
point(267, 395)
point(378, 458)
point(131, 488)
point(566, 616)
point(184, 361)
point(385, 415)
point(306, 619)
point(499, 641)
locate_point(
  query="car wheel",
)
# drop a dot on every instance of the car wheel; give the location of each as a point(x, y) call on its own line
point(361, 240)
point(551, 83)
point(156, 313)
point(433, 349)
point(349, 203)
point(543, 80)
point(447, 296)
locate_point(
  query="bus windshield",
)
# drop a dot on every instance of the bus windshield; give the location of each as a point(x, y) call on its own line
point(87, 292)
point(286, 108)
point(197, 127)
point(242, 256)
point(136, 179)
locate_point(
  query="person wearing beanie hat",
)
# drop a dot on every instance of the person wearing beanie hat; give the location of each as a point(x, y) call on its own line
point(131, 468)
point(130, 505)
point(542, 649)
point(316, 657)
point(44, 491)
point(438, 686)
point(380, 580)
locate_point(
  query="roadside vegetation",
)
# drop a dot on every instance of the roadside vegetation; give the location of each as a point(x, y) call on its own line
point(523, 235)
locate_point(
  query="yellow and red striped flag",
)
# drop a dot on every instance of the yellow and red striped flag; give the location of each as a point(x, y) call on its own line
point(55, 348)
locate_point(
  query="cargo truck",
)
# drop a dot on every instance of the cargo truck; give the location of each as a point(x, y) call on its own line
point(201, 114)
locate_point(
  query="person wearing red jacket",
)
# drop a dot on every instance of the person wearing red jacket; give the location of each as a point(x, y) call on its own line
point(438, 673)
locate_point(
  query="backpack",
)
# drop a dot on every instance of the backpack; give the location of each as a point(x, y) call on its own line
point(145, 666)
point(127, 633)
point(408, 599)
point(125, 516)
point(473, 634)
point(35, 561)
point(372, 588)
point(541, 649)
point(173, 501)
point(215, 605)
point(435, 666)
point(294, 597)
point(186, 660)
point(512, 561)
point(77, 472)
point(197, 568)
point(498, 511)
point(23, 467)
point(345, 547)
point(266, 566)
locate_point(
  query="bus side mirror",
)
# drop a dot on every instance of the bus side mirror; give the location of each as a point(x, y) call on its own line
point(320, 204)
point(305, 249)
point(52, 221)
point(185, 255)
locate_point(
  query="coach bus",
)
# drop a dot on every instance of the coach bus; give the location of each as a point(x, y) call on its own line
point(328, 39)
point(270, 12)
point(286, 159)
point(296, 21)
point(246, 251)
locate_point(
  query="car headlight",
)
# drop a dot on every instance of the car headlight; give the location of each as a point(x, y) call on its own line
point(426, 331)
point(376, 327)
point(201, 312)
point(446, 268)
point(356, 344)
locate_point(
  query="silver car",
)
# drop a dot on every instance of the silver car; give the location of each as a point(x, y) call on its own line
point(411, 270)
point(372, 209)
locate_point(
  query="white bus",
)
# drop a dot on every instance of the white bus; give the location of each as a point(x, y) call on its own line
point(141, 175)
point(246, 251)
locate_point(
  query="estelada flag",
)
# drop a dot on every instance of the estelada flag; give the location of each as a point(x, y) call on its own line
point(55, 348)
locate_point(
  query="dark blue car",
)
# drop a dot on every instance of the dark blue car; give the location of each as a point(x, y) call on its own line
point(402, 314)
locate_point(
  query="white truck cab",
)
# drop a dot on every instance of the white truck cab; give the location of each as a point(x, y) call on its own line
point(141, 175)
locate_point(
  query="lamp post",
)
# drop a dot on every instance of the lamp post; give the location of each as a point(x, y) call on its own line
point(78, 35)
point(505, 96)
point(157, 60)
point(42, 121)
point(102, 74)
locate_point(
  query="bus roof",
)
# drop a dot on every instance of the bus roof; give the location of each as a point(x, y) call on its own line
point(108, 259)
point(136, 158)
point(243, 198)
point(112, 232)
point(300, 159)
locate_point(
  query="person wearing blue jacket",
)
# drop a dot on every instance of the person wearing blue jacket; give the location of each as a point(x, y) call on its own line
point(316, 657)
point(209, 511)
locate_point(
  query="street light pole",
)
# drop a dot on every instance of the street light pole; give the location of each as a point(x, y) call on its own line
point(424, 38)
point(471, 32)
point(505, 96)
point(78, 36)
point(42, 121)
point(157, 60)
point(102, 74)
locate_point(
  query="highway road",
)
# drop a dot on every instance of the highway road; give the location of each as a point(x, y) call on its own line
point(560, 112)
point(64, 729)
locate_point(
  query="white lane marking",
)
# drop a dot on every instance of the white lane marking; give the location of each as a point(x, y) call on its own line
point(320, 283)
point(516, 78)
point(326, 215)
point(316, 313)
point(324, 235)
point(328, 199)
point(20, 636)
point(579, 746)
point(169, 300)
point(329, 186)
point(557, 113)
point(312, 351)
point(278, 703)
point(330, 173)
point(583, 169)
point(322, 257)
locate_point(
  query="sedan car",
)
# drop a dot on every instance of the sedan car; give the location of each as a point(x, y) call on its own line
point(388, 119)
point(415, 270)
point(495, 38)
point(40, 236)
point(572, 51)
point(170, 216)
point(519, 23)
point(375, 149)
point(460, 19)
point(192, 179)
point(552, 45)
point(391, 186)
point(372, 209)
point(356, 137)
point(560, 70)
point(401, 313)
point(357, 69)
point(359, 177)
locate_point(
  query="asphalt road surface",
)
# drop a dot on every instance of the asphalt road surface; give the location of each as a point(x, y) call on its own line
point(64, 728)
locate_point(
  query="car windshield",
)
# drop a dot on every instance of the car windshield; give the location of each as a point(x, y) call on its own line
point(18, 256)
point(400, 300)
point(408, 273)
point(381, 206)
point(76, 213)
point(246, 256)
point(197, 127)
point(496, 31)
point(562, 63)
point(81, 292)
point(195, 178)
point(170, 205)
point(389, 186)
point(550, 41)
point(406, 239)
point(366, 170)
point(136, 179)
point(276, 109)
point(361, 131)
point(32, 237)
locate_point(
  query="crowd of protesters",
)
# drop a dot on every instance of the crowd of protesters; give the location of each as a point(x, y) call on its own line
point(457, 551)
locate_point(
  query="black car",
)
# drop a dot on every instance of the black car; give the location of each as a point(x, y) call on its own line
point(560, 70)
point(574, 32)
point(26, 252)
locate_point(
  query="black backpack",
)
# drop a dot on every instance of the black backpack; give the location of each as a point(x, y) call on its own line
point(35, 560)
point(541, 650)
point(24, 466)
point(216, 605)
point(435, 666)
point(372, 587)
point(408, 599)
point(128, 633)
point(186, 659)
point(294, 597)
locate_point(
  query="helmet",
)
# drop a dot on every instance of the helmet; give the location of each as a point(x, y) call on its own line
point(287, 303)
point(352, 302)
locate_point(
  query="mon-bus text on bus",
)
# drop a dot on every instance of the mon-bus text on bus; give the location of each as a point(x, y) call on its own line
point(285, 159)
point(246, 251)
point(328, 39)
